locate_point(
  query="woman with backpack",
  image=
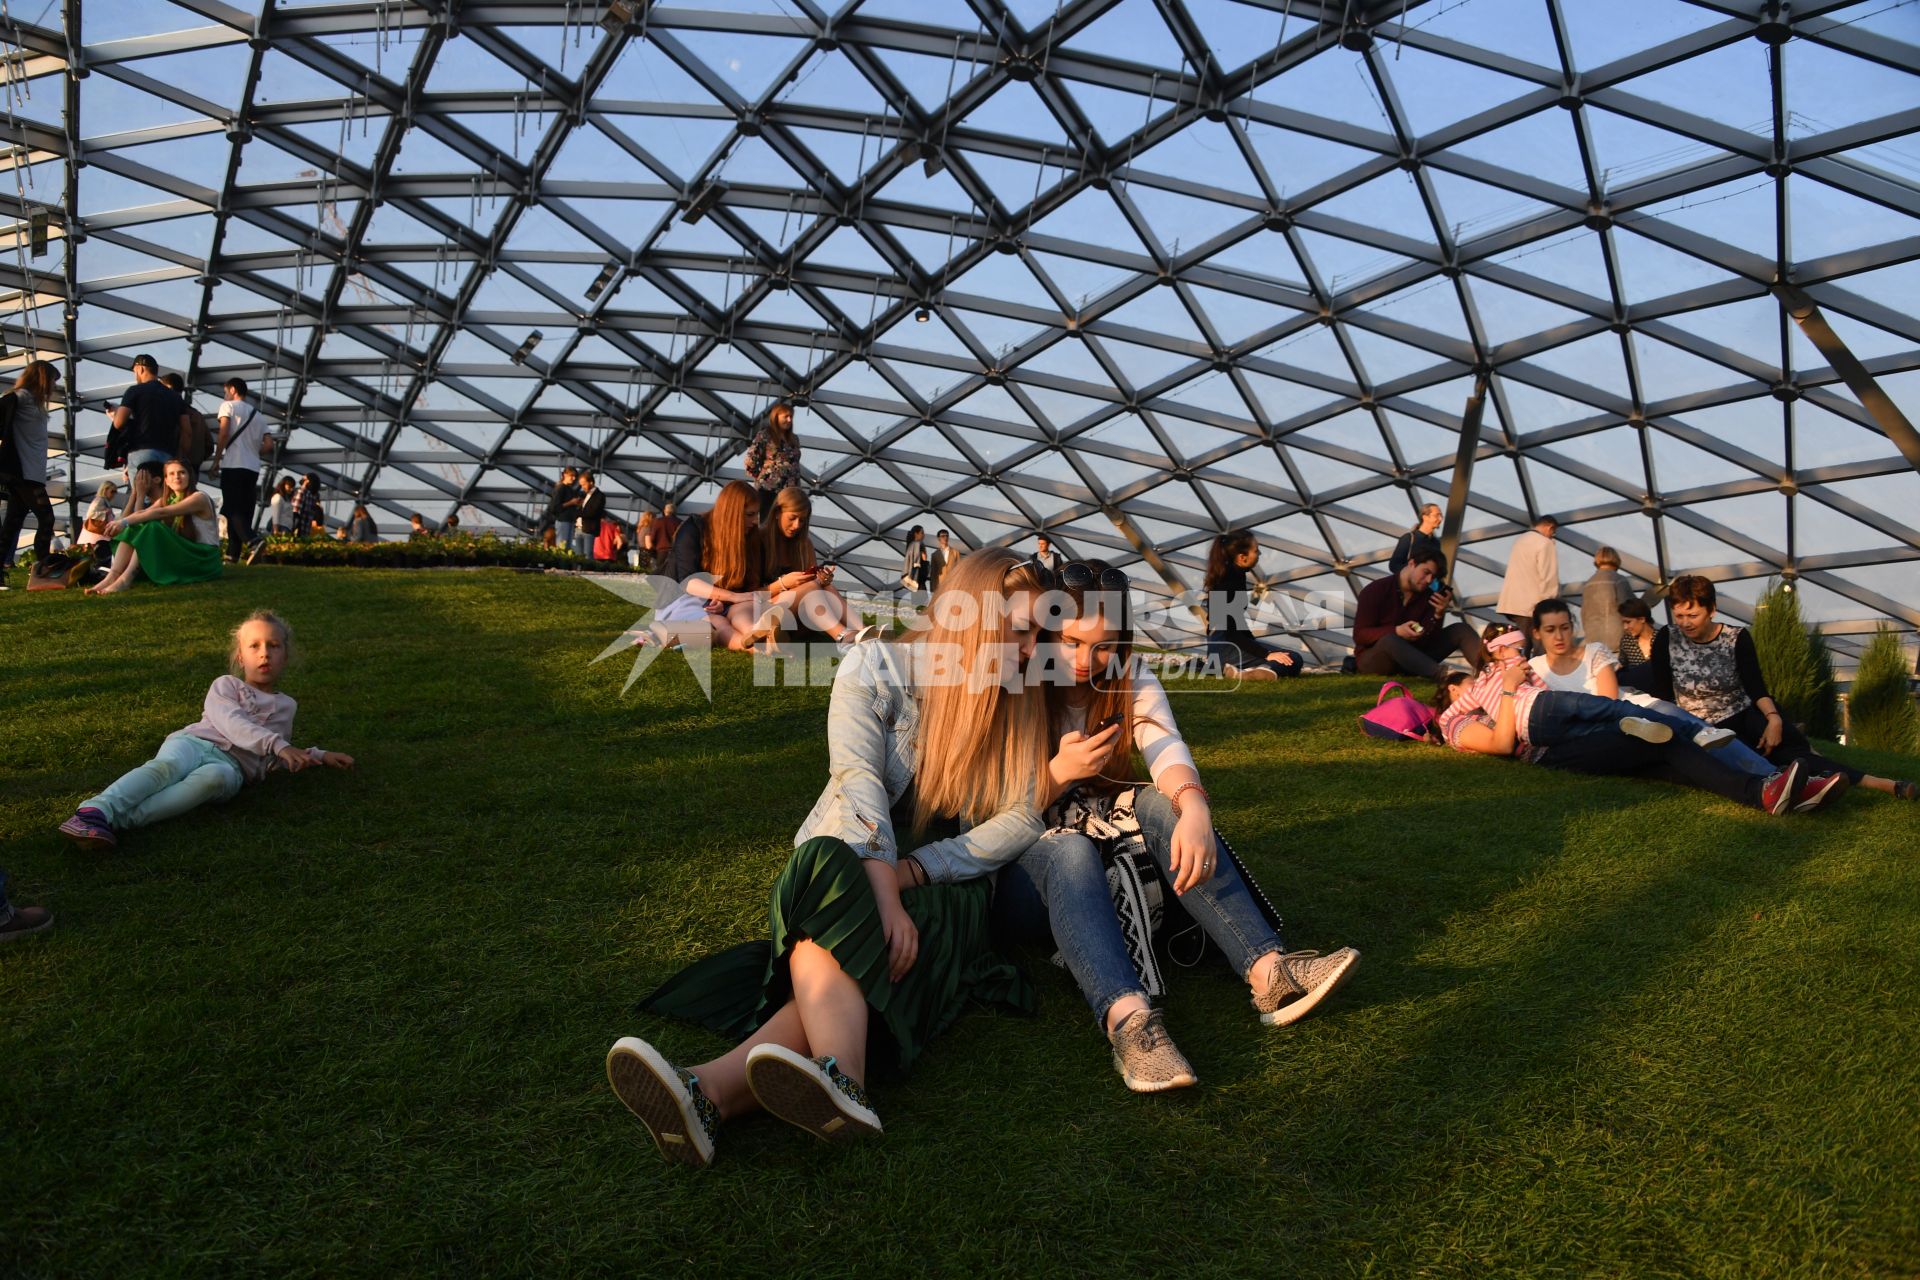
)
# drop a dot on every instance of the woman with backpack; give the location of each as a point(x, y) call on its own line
point(23, 460)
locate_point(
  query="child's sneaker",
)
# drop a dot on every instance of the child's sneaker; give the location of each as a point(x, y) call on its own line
point(88, 828)
point(667, 1100)
point(812, 1093)
point(1301, 980)
point(1646, 730)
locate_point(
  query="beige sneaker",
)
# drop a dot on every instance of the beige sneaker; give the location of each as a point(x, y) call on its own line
point(1300, 981)
point(1145, 1056)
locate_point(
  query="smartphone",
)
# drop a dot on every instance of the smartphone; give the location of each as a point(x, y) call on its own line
point(1439, 588)
point(1109, 723)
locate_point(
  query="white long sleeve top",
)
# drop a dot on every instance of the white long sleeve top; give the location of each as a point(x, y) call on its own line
point(249, 724)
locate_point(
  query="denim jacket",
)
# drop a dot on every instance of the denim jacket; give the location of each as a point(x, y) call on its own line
point(870, 730)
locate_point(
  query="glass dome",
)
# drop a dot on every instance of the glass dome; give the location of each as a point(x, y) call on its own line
point(1130, 272)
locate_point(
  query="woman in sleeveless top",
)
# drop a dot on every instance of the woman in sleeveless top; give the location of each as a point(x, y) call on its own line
point(174, 539)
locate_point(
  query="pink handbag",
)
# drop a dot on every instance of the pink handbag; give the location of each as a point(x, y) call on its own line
point(1397, 714)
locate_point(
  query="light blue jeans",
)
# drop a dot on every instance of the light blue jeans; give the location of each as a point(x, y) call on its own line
point(1058, 889)
point(1736, 753)
point(186, 773)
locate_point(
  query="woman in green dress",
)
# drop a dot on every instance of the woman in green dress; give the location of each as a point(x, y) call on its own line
point(879, 921)
point(173, 539)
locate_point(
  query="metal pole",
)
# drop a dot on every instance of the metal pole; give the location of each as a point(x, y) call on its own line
point(1886, 413)
point(1463, 465)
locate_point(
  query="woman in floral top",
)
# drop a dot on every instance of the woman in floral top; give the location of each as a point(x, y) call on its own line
point(773, 459)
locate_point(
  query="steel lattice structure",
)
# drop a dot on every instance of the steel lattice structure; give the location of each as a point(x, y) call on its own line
point(1128, 271)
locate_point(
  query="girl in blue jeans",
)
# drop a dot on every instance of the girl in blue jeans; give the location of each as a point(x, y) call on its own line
point(242, 735)
point(1099, 703)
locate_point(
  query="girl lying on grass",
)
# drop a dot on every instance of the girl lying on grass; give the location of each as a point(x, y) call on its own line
point(1103, 705)
point(241, 736)
point(879, 920)
point(1508, 711)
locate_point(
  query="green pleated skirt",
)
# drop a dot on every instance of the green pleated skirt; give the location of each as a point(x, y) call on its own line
point(167, 558)
point(823, 894)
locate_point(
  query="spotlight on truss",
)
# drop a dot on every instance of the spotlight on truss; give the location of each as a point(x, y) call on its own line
point(601, 281)
point(619, 16)
point(935, 162)
point(525, 349)
point(922, 315)
point(704, 200)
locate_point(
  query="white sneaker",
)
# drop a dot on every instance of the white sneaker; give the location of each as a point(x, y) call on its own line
point(1712, 739)
point(1646, 730)
point(666, 1099)
point(811, 1093)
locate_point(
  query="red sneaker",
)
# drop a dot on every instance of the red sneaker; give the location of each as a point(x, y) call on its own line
point(1818, 790)
point(1777, 793)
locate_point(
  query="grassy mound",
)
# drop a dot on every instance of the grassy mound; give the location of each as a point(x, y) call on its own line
point(354, 1023)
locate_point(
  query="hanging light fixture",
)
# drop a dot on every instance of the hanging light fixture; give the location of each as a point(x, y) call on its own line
point(525, 349)
point(703, 200)
point(601, 281)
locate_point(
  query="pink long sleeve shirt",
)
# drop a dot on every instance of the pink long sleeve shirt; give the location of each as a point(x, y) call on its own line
point(248, 724)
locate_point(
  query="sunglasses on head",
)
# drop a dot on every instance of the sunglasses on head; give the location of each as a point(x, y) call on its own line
point(1079, 575)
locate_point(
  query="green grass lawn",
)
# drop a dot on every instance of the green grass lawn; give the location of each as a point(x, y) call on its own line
point(355, 1023)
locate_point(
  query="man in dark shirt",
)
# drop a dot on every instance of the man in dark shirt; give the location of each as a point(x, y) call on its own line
point(664, 530)
point(153, 419)
point(1419, 541)
point(593, 504)
point(1398, 624)
point(564, 507)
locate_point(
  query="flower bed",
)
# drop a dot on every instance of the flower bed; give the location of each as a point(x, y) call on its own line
point(452, 550)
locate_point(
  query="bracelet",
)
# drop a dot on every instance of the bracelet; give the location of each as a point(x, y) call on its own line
point(919, 871)
point(1181, 790)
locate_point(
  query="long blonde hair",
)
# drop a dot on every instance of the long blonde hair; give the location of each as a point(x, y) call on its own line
point(783, 552)
point(980, 748)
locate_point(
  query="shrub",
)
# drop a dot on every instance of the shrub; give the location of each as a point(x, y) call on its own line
point(1881, 713)
point(1824, 720)
point(454, 549)
point(1788, 661)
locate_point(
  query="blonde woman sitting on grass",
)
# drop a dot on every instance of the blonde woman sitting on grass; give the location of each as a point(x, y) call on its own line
point(879, 920)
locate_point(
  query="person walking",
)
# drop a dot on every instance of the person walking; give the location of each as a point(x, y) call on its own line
point(23, 460)
point(1419, 542)
point(1533, 575)
point(237, 454)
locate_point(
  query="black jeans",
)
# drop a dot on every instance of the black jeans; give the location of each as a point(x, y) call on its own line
point(1581, 733)
point(239, 490)
point(1750, 723)
point(1240, 649)
point(24, 496)
point(1395, 655)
